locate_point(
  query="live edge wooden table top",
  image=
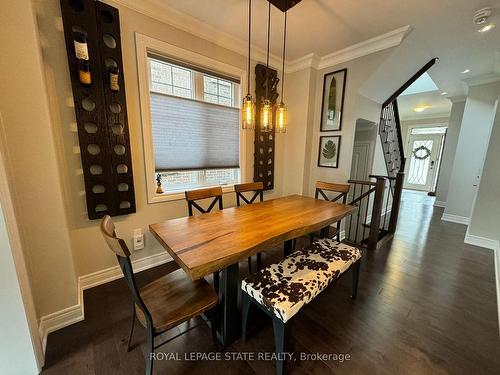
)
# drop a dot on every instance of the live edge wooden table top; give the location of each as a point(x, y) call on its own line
point(211, 242)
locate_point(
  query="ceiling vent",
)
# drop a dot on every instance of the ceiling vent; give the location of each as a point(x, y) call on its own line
point(481, 16)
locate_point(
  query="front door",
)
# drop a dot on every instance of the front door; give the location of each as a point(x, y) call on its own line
point(422, 163)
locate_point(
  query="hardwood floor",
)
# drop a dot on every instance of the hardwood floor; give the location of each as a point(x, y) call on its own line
point(426, 305)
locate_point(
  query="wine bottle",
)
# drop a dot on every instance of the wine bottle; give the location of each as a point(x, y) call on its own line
point(81, 48)
point(113, 78)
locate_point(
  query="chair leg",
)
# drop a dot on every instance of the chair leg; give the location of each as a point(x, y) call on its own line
point(149, 350)
point(259, 261)
point(279, 339)
point(250, 265)
point(294, 243)
point(245, 307)
point(131, 328)
point(355, 278)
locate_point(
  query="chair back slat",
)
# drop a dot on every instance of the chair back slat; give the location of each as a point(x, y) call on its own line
point(256, 187)
point(119, 247)
point(194, 195)
point(323, 187)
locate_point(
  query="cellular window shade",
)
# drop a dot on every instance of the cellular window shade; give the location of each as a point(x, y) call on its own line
point(193, 135)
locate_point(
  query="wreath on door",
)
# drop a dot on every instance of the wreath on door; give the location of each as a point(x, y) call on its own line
point(421, 153)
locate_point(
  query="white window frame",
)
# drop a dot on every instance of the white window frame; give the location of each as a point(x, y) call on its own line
point(144, 45)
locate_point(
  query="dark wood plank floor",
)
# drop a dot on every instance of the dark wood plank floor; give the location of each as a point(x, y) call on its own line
point(426, 305)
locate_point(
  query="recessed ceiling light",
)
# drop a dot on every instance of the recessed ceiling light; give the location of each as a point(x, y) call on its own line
point(444, 93)
point(466, 71)
point(486, 28)
point(420, 108)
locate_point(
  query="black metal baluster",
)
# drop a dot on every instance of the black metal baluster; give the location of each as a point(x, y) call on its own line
point(366, 214)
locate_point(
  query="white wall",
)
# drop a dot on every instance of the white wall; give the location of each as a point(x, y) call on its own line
point(450, 147)
point(17, 356)
point(485, 220)
point(471, 150)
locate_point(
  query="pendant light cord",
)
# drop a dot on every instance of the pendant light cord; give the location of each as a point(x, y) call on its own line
point(283, 63)
point(249, 43)
point(268, 38)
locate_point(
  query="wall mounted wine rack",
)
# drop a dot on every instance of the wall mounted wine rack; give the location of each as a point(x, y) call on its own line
point(100, 106)
point(264, 141)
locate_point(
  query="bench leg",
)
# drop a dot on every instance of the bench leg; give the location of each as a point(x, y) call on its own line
point(279, 339)
point(245, 307)
point(355, 278)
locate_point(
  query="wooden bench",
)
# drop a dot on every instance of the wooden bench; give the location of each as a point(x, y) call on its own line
point(282, 289)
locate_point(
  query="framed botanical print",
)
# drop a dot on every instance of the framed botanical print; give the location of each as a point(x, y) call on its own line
point(332, 104)
point(329, 149)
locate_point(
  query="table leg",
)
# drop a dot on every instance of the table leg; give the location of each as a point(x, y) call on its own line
point(288, 247)
point(231, 317)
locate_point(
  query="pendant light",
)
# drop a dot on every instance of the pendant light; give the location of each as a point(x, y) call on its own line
point(281, 111)
point(248, 108)
point(266, 111)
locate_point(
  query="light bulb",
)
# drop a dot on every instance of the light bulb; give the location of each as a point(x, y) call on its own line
point(248, 113)
point(266, 117)
point(281, 118)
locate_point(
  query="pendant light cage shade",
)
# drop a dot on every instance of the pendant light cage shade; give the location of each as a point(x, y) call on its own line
point(281, 118)
point(248, 113)
point(266, 117)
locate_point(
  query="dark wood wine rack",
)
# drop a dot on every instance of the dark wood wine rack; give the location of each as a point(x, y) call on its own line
point(264, 141)
point(102, 131)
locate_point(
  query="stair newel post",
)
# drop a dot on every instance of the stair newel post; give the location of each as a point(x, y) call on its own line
point(378, 202)
point(396, 201)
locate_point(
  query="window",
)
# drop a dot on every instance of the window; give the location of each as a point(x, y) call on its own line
point(194, 127)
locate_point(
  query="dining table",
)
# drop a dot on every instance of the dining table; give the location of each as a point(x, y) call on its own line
point(219, 240)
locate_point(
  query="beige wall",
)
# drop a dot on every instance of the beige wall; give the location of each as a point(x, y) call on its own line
point(88, 248)
point(355, 106)
point(34, 176)
point(450, 148)
point(485, 220)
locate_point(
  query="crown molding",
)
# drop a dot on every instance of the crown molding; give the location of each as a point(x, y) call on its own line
point(457, 98)
point(482, 79)
point(308, 61)
point(376, 44)
point(158, 10)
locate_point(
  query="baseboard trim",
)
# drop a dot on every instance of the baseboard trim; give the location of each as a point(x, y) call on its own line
point(113, 273)
point(439, 204)
point(74, 314)
point(456, 219)
point(487, 243)
point(494, 245)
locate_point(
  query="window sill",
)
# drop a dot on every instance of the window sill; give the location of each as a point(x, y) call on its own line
point(180, 195)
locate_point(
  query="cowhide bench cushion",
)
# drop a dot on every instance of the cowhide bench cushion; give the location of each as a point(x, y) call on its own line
point(286, 286)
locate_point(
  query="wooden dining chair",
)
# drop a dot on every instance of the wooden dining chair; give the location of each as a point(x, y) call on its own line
point(164, 303)
point(324, 191)
point(257, 188)
point(196, 195)
point(340, 192)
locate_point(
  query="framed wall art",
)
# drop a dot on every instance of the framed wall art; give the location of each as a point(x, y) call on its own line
point(332, 104)
point(329, 149)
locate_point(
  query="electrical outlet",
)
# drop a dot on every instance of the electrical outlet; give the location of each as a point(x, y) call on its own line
point(138, 239)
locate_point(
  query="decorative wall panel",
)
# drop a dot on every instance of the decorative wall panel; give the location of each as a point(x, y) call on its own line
point(100, 105)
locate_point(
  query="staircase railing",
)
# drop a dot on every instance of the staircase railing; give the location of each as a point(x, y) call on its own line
point(378, 205)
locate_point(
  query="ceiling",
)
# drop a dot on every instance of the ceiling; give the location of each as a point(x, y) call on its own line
point(436, 105)
point(442, 28)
